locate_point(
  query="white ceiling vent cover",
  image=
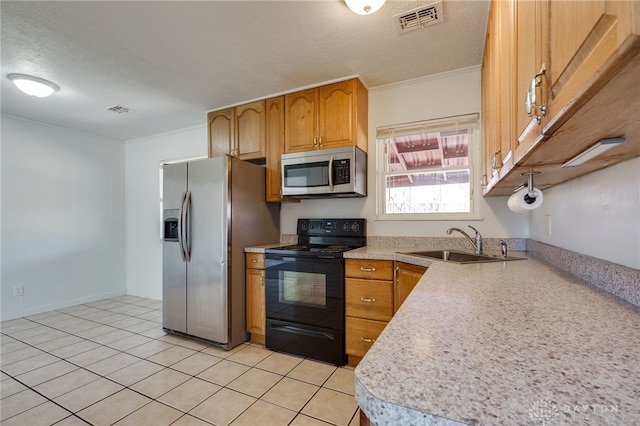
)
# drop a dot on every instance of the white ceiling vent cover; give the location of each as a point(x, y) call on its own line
point(419, 18)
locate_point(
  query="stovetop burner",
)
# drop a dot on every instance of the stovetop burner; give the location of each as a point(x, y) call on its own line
point(325, 237)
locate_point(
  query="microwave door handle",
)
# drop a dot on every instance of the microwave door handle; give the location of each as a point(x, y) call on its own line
point(331, 173)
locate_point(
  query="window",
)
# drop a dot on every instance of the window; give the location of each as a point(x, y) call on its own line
point(426, 169)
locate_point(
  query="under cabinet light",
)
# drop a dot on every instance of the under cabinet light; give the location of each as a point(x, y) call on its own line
point(593, 151)
point(33, 86)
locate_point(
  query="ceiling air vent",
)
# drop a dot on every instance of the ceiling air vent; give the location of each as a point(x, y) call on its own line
point(419, 18)
point(119, 109)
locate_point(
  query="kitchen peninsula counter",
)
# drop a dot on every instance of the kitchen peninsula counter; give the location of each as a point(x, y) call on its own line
point(517, 343)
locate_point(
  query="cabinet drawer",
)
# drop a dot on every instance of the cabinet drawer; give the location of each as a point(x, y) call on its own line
point(255, 260)
point(370, 269)
point(369, 299)
point(361, 334)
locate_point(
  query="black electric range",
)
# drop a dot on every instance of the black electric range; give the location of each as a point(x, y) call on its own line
point(304, 291)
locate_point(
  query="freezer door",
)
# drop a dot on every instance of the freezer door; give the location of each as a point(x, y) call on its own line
point(207, 295)
point(174, 269)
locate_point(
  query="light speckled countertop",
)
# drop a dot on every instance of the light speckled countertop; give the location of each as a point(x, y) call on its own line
point(505, 343)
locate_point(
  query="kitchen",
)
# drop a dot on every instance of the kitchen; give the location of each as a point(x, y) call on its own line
point(115, 187)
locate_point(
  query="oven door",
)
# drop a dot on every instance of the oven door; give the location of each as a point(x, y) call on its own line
point(305, 290)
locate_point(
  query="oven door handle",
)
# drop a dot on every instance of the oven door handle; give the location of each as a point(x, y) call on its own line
point(298, 330)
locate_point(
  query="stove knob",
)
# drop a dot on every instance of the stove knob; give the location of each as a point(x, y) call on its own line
point(346, 227)
point(304, 226)
point(355, 227)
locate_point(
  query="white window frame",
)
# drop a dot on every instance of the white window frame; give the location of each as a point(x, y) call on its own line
point(468, 121)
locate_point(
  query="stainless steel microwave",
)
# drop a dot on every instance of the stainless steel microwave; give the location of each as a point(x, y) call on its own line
point(325, 173)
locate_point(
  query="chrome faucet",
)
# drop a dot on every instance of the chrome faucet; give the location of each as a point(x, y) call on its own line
point(477, 244)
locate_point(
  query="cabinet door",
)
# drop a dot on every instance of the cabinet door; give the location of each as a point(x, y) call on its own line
point(301, 121)
point(255, 260)
point(369, 269)
point(255, 304)
point(338, 115)
point(361, 334)
point(530, 32)
point(221, 131)
point(250, 141)
point(407, 276)
point(586, 46)
point(369, 299)
point(275, 146)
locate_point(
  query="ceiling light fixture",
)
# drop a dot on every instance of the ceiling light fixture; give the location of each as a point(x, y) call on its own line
point(593, 151)
point(33, 86)
point(364, 7)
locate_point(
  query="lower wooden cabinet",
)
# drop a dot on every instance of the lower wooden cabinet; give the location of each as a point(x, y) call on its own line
point(255, 305)
point(368, 303)
point(407, 276)
point(374, 290)
point(361, 334)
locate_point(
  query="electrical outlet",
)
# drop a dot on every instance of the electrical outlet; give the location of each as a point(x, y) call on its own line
point(547, 224)
point(18, 290)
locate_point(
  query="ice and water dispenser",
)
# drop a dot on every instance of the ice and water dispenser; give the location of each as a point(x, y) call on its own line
point(171, 224)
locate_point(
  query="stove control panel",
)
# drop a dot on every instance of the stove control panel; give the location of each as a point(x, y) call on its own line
point(333, 227)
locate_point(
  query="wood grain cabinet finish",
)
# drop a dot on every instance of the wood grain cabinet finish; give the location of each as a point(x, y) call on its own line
point(238, 131)
point(221, 126)
point(250, 140)
point(582, 56)
point(255, 304)
point(369, 303)
point(331, 116)
point(407, 276)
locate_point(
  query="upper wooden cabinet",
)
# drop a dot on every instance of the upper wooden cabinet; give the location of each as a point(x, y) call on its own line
point(250, 141)
point(330, 116)
point(239, 131)
point(577, 59)
point(222, 129)
point(498, 92)
point(275, 145)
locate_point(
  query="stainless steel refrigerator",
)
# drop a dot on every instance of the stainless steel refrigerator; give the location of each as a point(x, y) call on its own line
point(212, 209)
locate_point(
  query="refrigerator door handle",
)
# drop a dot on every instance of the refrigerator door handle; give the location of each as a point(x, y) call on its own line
point(181, 227)
point(187, 226)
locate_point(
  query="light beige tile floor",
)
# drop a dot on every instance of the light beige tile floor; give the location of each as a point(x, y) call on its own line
point(109, 362)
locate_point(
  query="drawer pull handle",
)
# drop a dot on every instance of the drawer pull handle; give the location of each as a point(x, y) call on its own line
point(255, 261)
point(366, 299)
point(367, 340)
point(363, 269)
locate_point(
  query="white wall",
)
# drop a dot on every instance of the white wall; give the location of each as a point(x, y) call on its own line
point(144, 247)
point(438, 96)
point(597, 214)
point(62, 217)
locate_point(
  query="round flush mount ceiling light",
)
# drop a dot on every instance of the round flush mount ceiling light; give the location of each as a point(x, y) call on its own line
point(33, 86)
point(364, 7)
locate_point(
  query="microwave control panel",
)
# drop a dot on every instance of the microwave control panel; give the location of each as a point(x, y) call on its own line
point(342, 169)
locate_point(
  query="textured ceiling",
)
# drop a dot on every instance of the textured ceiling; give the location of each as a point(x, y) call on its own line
point(171, 61)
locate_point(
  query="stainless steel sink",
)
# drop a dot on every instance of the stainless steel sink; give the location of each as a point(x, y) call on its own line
point(460, 256)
